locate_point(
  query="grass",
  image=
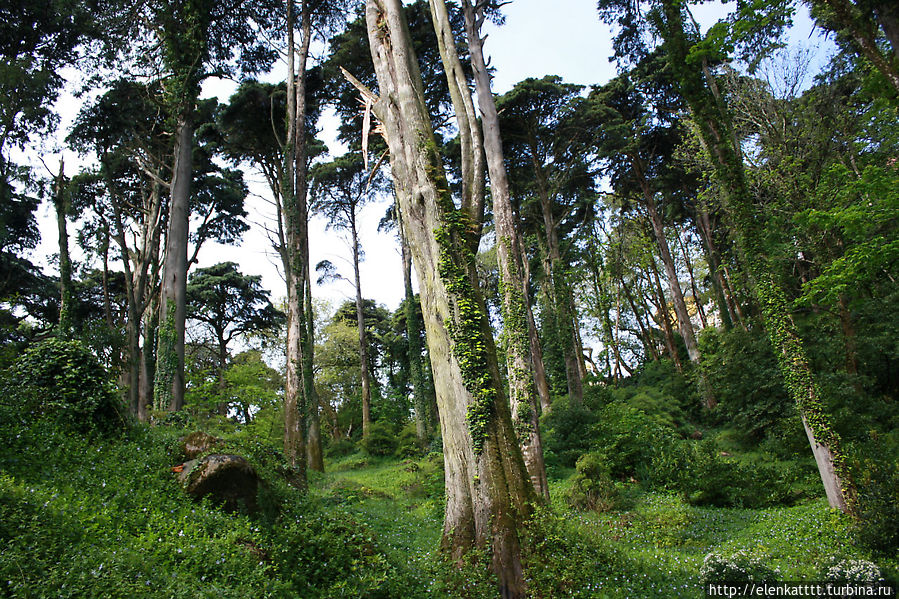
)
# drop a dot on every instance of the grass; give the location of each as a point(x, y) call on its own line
point(103, 517)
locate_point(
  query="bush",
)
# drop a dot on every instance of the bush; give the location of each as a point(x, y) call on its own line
point(739, 567)
point(64, 381)
point(340, 448)
point(381, 440)
point(407, 444)
point(747, 382)
point(631, 439)
point(592, 487)
point(878, 503)
point(851, 570)
point(567, 432)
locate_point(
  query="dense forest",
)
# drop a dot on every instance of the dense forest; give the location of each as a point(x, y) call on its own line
point(648, 336)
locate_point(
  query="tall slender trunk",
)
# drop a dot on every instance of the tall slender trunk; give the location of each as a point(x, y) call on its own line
point(558, 291)
point(520, 360)
point(715, 131)
point(60, 202)
point(294, 254)
point(693, 289)
point(314, 456)
point(649, 342)
point(423, 421)
point(360, 327)
point(168, 390)
point(685, 326)
point(664, 316)
point(540, 379)
point(487, 485)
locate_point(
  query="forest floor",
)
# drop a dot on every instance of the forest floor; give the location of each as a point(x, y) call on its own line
point(658, 545)
point(84, 517)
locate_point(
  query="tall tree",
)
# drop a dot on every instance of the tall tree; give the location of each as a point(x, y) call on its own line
point(195, 40)
point(689, 59)
point(341, 188)
point(229, 304)
point(488, 489)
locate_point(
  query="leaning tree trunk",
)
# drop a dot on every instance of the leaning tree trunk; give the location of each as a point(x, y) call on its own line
point(520, 360)
point(168, 389)
point(487, 486)
point(715, 132)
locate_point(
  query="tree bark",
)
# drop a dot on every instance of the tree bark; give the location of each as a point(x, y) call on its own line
point(520, 360)
point(294, 256)
point(540, 379)
point(60, 203)
point(168, 390)
point(487, 486)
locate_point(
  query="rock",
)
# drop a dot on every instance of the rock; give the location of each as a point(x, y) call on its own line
point(226, 478)
point(197, 443)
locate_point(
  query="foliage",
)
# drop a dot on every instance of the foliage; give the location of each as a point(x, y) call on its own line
point(592, 488)
point(381, 439)
point(566, 432)
point(63, 381)
point(81, 519)
point(751, 398)
point(738, 567)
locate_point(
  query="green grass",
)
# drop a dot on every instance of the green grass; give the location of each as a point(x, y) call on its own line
point(104, 517)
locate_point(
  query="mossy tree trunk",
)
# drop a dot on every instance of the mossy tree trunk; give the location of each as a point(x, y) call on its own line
point(716, 133)
point(520, 360)
point(168, 389)
point(295, 260)
point(61, 205)
point(487, 486)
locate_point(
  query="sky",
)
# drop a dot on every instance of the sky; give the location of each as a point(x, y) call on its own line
point(567, 40)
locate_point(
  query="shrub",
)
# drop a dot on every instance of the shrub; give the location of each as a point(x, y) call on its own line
point(878, 502)
point(340, 448)
point(407, 444)
point(631, 439)
point(381, 440)
point(743, 372)
point(851, 570)
point(64, 381)
point(567, 432)
point(592, 487)
point(738, 567)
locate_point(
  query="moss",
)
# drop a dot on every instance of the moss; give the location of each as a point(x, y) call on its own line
point(166, 361)
point(517, 344)
point(466, 326)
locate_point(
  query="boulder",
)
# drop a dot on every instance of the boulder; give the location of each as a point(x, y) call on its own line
point(228, 479)
point(198, 443)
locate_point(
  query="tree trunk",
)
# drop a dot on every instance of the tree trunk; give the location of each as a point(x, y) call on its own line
point(360, 326)
point(664, 316)
point(685, 326)
point(540, 379)
point(693, 289)
point(520, 360)
point(714, 124)
point(60, 202)
point(487, 486)
point(294, 257)
point(168, 390)
point(314, 456)
point(423, 423)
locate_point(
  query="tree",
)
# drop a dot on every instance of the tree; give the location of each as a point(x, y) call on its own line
point(487, 486)
point(550, 184)
point(194, 40)
point(340, 188)
point(689, 60)
point(229, 304)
